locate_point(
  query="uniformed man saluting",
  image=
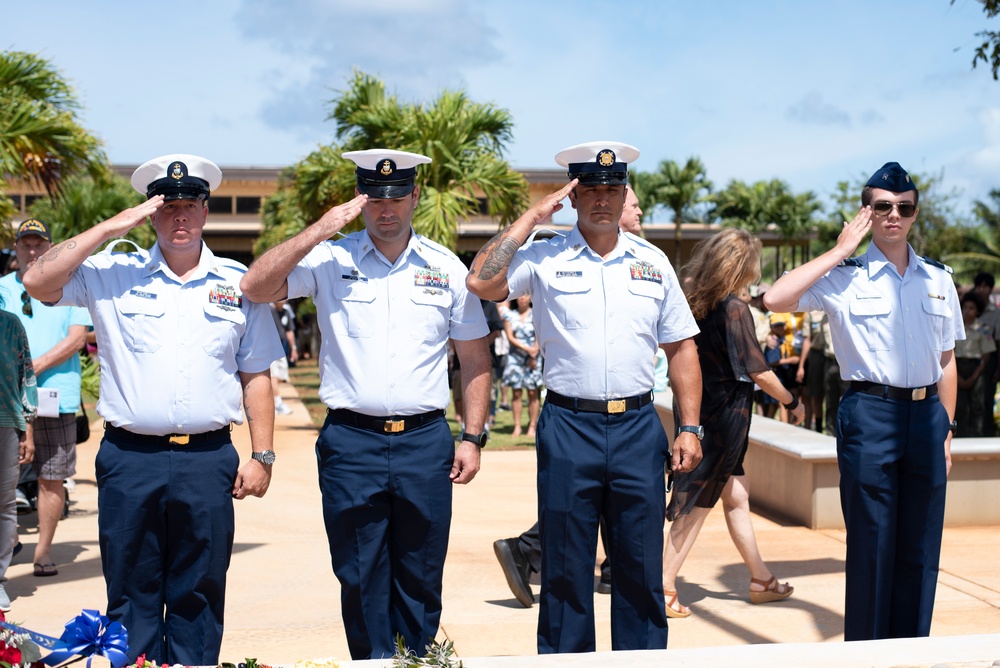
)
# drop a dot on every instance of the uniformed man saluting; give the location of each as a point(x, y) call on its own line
point(178, 346)
point(894, 318)
point(387, 301)
point(604, 300)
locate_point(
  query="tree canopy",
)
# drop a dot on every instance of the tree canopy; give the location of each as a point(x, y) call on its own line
point(40, 136)
point(464, 139)
point(989, 51)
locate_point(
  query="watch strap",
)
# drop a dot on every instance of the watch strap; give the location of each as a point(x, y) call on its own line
point(478, 439)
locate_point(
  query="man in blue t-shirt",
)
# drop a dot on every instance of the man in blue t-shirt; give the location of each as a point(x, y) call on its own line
point(55, 336)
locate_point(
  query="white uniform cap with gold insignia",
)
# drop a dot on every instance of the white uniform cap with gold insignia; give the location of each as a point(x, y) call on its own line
point(177, 176)
point(386, 174)
point(598, 162)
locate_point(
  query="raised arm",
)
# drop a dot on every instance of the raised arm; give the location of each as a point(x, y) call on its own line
point(267, 278)
point(784, 295)
point(488, 275)
point(45, 279)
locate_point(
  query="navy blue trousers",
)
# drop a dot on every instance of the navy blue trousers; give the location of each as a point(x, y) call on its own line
point(892, 491)
point(387, 508)
point(165, 521)
point(592, 465)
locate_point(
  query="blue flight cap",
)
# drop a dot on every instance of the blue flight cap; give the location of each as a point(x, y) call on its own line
point(177, 176)
point(386, 174)
point(893, 178)
point(598, 162)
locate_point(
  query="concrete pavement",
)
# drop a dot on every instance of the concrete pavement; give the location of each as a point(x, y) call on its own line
point(283, 599)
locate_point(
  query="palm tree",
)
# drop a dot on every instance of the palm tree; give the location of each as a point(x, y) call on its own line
point(680, 189)
point(464, 139)
point(982, 242)
point(40, 137)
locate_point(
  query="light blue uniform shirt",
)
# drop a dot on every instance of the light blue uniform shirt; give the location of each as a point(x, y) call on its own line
point(599, 321)
point(47, 326)
point(170, 351)
point(886, 328)
point(386, 326)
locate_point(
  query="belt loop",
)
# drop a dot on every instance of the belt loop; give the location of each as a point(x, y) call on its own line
point(576, 403)
point(885, 391)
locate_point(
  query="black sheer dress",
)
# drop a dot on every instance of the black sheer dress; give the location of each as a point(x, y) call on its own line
point(729, 353)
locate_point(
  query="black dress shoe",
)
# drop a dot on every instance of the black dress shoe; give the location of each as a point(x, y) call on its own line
point(516, 569)
point(604, 586)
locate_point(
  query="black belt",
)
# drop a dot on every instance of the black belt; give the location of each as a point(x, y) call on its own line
point(168, 440)
point(596, 406)
point(391, 424)
point(890, 392)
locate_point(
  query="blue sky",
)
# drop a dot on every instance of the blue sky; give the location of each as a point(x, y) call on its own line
point(808, 92)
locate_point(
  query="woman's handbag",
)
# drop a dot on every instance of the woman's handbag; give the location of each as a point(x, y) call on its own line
point(82, 426)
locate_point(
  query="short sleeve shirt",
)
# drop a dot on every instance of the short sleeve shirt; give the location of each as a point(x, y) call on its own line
point(887, 328)
point(386, 325)
point(171, 351)
point(47, 326)
point(598, 321)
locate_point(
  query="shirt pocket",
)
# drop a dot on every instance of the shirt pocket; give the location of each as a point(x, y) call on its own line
point(351, 312)
point(140, 321)
point(871, 318)
point(570, 296)
point(938, 314)
point(645, 300)
point(432, 313)
point(225, 325)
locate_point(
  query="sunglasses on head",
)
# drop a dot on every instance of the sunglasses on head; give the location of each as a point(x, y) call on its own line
point(26, 304)
point(905, 209)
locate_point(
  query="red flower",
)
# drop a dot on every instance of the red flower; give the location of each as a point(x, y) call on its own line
point(140, 660)
point(9, 655)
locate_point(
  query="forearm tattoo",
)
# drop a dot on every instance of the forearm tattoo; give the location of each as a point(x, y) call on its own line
point(498, 253)
point(53, 254)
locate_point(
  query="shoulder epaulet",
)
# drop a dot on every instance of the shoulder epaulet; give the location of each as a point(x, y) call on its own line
point(852, 262)
point(230, 263)
point(645, 244)
point(939, 265)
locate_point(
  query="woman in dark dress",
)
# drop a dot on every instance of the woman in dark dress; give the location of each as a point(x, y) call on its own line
point(724, 266)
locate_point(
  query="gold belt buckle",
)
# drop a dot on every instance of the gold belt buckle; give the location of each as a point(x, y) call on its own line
point(180, 439)
point(616, 406)
point(394, 426)
point(919, 394)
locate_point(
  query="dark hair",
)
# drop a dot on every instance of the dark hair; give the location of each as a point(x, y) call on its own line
point(984, 278)
point(866, 196)
point(971, 296)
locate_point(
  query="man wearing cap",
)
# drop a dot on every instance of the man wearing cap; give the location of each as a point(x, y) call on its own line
point(55, 336)
point(387, 301)
point(604, 300)
point(179, 348)
point(894, 318)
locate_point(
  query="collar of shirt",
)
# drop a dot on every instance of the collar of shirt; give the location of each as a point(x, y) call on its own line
point(206, 265)
point(876, 261)
point(576, 244)
point(365, 245)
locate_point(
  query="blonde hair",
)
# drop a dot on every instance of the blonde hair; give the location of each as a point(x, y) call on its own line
point(722, 265)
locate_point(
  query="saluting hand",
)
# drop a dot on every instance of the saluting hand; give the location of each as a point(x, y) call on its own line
point(339, 216)
point(854, 232)
point(548, 205)
point(129, 218)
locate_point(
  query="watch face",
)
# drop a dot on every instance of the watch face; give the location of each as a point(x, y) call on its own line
point(266, 457)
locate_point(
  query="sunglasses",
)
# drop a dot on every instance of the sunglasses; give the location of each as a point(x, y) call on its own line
point(26, 304)
point(905, 209)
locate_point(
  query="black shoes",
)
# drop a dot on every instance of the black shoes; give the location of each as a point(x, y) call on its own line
point(604, 586)
point(516, 569)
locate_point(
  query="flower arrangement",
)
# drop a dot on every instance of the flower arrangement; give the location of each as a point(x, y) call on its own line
point(17, 648)
point(87, 634)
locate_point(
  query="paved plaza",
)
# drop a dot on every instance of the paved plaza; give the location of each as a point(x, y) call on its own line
point(283, 599)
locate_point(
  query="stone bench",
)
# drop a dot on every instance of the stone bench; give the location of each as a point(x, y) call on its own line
point(793, 472)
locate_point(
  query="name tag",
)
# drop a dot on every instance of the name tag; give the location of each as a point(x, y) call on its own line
point(569, 274)
point(141, 294)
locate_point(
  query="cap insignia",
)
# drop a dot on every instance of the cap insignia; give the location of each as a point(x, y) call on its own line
point(606, 158)
point(386, 168)
point(176, 172)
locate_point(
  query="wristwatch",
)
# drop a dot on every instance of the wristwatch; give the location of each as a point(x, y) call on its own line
point(697, 430)
point(478, 439)
point(265, 457)
point(953, 426)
